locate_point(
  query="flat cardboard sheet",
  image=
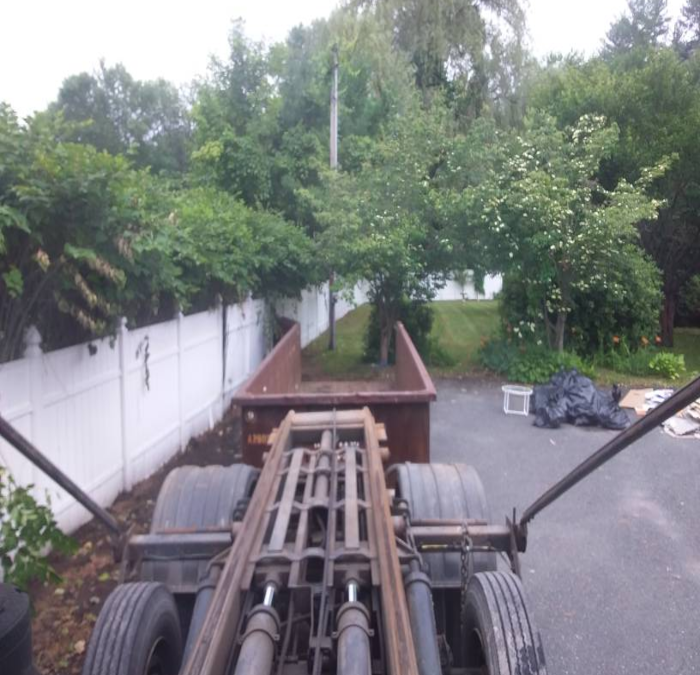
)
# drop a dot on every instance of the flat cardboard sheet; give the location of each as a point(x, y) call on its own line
point(635, 398)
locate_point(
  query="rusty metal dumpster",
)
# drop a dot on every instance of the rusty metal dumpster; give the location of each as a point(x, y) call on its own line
point(401, 404)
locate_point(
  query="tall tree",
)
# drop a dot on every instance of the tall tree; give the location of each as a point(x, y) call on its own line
point(380, 222)
point(459, 45)
point(146, 120)
point(644, 25)
point(656, 103)
point(262, 119)
point(686, 35)
point(547, 220)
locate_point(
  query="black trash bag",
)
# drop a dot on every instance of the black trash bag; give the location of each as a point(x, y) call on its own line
point(572, 397)
point(547, 404)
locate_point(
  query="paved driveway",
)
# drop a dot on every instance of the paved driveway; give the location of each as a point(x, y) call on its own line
point(613, 567)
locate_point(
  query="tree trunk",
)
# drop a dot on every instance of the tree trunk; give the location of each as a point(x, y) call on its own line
point(668, 317)
point(559, 332)
point(384, 340)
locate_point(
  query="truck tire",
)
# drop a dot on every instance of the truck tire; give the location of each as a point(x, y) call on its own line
point(499, 634)
point(445, 491)
point(15, 631)
point(137, 633)
point(199, 498)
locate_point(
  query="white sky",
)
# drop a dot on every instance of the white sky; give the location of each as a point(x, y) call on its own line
point(44, 41)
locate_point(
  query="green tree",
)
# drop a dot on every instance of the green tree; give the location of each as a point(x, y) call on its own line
point(447, 40)
point(656, 104)
point(380, 224)
point(548, 222)
point(686, 35)
point(86, 239)
point(644, 25)
point(148, 121)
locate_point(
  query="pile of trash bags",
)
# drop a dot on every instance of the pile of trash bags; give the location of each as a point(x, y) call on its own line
point(571, 397)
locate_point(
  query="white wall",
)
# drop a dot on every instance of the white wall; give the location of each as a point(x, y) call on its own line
point(110, 419)
point(312, 310)
point(455, 291)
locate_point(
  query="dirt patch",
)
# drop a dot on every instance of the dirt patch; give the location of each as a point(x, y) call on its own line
point(65, 614)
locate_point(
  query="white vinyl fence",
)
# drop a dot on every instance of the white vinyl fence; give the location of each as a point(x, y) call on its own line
point(111, 412)
point(455, 290)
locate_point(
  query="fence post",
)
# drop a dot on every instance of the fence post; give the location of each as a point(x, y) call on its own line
point(223, 323)
point(34, 355)
point(181, 377)
point(215, 412)
point(122, 339)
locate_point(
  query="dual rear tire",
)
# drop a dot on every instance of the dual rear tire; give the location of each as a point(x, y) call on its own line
point(497, 635)
point(142, 627)
point(137, 633)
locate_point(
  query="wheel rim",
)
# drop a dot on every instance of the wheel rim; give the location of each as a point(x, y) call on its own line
point(157, 661)
point(474, 653)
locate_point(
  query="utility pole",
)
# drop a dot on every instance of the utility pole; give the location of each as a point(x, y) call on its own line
point(334, 166)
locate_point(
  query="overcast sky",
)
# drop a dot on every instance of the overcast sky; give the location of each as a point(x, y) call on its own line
point(44, 41)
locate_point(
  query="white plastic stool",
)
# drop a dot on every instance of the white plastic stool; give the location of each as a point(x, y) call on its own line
point(520, 396)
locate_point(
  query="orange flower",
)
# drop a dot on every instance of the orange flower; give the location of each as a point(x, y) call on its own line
point(645, 342)
point(616, 339)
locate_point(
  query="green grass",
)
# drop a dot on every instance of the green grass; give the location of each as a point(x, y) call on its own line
point(346, 361)
point(687, 342)
point(459, 327)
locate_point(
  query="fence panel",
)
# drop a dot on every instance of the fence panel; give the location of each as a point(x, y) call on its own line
point(246, 343)
point(201, 368)
point(151, 402)
point(110, 412)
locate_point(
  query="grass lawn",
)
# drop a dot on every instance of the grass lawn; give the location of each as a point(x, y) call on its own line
point(687, 342)
point(346, 361)
point(459, 327)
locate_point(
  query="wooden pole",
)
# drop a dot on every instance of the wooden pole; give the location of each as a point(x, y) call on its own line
point(334, 166)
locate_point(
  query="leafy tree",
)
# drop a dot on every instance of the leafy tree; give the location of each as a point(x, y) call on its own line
point(380, 226)
point(447, 40)
point(645, 25)
point(262, 115)
point(85, 239)
point(686, 35)
point(548, 222)
point(147, 121)
point(66, 214)
point(656, 104)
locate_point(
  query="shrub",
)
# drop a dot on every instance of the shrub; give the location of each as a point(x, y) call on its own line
point(529, 364)
point(668, 365)
point(417, 318)
point(627, 305)
point(689, 303)
point(27, 530)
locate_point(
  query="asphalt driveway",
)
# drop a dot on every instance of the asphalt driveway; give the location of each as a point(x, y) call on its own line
point(613, 568)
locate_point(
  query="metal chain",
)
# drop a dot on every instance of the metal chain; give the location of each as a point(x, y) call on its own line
point(466, 570)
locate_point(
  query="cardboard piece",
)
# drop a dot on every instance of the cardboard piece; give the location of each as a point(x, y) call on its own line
point(681, 427)
point(635, 398)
